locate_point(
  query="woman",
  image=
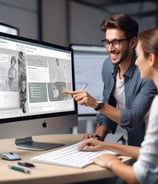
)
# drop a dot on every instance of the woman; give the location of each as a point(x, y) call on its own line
point(145, 169)
point(12, 74)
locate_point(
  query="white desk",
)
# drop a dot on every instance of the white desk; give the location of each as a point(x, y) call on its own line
point(44, 173)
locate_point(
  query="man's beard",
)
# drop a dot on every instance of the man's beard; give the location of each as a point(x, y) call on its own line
point(123, 57)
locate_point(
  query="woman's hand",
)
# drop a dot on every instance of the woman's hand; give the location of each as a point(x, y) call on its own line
point(106, 160)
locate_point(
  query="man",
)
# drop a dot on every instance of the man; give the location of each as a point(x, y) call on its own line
point(126, 97)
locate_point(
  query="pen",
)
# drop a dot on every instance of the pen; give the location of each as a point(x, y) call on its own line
point(26, 164)
point(84, 86)
point(20, 169)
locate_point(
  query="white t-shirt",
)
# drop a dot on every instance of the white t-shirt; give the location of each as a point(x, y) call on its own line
point(146, 167)
point(119, 94)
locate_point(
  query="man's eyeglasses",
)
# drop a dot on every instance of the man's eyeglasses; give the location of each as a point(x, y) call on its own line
point(115, 43)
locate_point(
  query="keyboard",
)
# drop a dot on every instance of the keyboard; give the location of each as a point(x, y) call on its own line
point(69, 156)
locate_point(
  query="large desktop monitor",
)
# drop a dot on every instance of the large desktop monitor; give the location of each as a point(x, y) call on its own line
point(33, 75)
point(88, 61)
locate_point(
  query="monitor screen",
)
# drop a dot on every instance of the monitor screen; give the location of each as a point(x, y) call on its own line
point(33, 75)
point(88, 61)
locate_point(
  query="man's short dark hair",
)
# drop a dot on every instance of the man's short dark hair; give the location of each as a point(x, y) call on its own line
point(123, 22)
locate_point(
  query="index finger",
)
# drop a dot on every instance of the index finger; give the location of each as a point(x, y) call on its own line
point(69, 92)
point(84, 144)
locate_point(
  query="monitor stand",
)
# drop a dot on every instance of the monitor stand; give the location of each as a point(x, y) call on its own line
point(28, 144)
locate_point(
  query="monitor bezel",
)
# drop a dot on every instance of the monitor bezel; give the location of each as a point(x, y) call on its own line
point(9, 27)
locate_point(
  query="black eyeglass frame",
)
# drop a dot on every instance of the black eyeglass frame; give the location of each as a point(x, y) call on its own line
point(107, 43)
